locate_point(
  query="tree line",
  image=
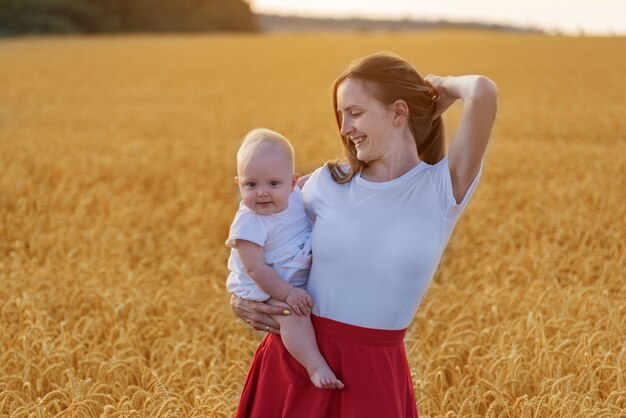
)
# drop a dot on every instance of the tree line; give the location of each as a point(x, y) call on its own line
point(102, 16)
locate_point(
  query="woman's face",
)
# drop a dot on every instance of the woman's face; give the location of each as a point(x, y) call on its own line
point(365, 121)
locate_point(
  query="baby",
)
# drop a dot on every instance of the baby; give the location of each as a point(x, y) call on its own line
point(270, 246)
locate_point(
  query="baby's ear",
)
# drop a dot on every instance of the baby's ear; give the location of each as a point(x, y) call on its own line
point(294, 180)
point(236, 179)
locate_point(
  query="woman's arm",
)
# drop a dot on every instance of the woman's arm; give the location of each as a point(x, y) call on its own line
point(480, 102)
point(301, 182)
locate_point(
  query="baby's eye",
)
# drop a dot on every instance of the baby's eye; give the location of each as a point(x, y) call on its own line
point(274, 183)
point(251, 184)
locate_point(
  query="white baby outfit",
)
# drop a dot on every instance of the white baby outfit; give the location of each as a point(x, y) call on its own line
point(378, 245)
point(285, 238)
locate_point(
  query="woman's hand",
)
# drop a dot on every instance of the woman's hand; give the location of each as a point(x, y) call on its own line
point(257, 314)
point(300, 301)
point(444, 99)
point(302, 180)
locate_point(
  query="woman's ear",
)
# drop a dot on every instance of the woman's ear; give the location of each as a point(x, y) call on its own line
point(400, 112)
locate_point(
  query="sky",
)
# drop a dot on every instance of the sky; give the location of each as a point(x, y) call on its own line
point(592, 17)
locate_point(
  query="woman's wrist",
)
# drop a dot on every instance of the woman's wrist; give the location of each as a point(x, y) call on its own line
point(464, 87)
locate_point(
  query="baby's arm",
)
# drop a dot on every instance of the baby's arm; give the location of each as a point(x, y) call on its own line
point(253, 259)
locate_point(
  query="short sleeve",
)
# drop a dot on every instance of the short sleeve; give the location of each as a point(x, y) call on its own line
point(442, 183)
point(310, 192)
point(247, 226)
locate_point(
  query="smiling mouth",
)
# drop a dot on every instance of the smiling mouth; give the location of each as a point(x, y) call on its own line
point(357, 141)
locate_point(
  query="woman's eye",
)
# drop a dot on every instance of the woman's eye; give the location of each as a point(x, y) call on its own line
point(356, 115)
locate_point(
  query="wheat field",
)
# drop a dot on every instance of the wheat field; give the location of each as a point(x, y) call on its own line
point(116, 194)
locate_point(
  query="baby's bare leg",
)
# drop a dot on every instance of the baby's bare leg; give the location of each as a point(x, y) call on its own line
point(298, 336)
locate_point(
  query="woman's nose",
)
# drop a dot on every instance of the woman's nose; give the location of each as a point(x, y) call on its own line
point(346, 128)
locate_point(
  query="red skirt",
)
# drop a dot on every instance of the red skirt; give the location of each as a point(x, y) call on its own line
point(370, 362)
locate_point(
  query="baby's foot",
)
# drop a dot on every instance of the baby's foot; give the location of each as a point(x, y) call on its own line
point(324, 378)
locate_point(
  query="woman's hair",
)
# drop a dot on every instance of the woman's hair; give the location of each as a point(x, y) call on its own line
point(389, 78)
point(259, 139)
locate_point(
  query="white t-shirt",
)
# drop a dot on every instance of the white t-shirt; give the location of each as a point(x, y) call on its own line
point(285, 238)
point(376, 246)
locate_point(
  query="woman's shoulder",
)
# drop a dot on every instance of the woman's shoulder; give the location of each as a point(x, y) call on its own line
point(437, 169)
point(436, 165)
point(318, 174)
point(319, 187)
point(441, 180)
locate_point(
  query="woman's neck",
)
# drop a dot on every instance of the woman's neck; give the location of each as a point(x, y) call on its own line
point(398, 162)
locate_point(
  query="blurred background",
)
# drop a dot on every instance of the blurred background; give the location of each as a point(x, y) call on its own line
point(104, 16)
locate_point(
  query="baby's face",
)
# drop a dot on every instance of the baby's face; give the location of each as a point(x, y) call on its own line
point(266, 182)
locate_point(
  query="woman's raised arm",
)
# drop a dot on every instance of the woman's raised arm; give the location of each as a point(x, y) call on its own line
point(480, 102)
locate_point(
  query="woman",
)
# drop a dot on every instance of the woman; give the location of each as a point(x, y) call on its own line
point(382, 221)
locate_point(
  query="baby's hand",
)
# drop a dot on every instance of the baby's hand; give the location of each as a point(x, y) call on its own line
point(300, 301)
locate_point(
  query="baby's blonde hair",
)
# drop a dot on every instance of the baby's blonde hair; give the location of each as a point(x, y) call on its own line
point(260, 139)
